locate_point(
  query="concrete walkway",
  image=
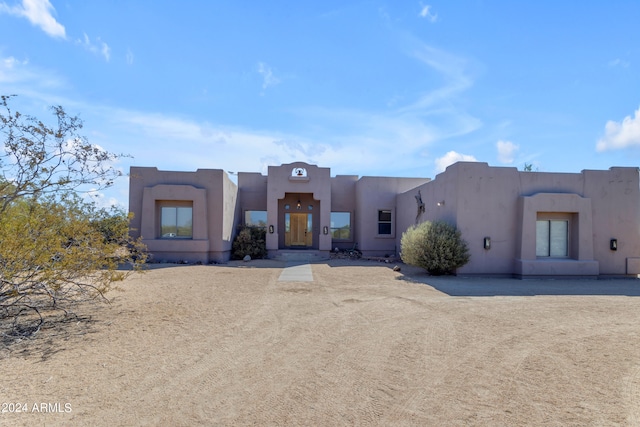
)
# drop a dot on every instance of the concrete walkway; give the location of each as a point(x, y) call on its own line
point(296, 272)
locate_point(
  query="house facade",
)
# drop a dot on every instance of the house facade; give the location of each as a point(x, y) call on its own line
point(524, 224)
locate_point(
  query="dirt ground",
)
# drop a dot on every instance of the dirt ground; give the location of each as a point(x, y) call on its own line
point(358, 345)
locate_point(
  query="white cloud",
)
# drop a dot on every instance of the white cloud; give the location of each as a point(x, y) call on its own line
point(450, 158)
point(106, 51)
point(331, 137)
point(621, 134)
point(39, 13)
point(99, 47)
point(101, 200)
point(296, 146)
point(506, 151)
point(403, 132)
point(229, 145)
point(426, 13)
point(451, 67)
point(23, 78)
point(619, 63)
point(268, 79)
point(10, 69)
point(129, 57)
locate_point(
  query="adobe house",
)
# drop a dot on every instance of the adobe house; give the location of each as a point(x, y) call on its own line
point(523, 224)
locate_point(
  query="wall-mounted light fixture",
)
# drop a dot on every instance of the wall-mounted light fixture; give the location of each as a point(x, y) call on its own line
point(325, 230)
point(299, 205)
point(271, 229)
point(613, 244)
point(441, 203)
point(487, 243)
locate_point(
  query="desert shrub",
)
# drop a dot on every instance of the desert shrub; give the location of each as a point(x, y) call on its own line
point(250, 241)
point(437, 247)
point(57, 250)
point(52, 258)
point(112, 223)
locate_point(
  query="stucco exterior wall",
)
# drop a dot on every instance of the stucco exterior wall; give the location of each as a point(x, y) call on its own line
point(252, 192)
point(504, 204)
point(580, 261)
point(230, 214)
point(315, 184)
point(500, 204)
point(616, 214)
point(374, 194)
point(214, 212)
point(343, 199)
point(486, 206)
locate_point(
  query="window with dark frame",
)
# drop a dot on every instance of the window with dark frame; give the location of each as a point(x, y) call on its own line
point(384, 222)
point(176, 222)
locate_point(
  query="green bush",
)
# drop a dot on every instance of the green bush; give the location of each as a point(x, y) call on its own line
point(250, 241)
point(437, 247)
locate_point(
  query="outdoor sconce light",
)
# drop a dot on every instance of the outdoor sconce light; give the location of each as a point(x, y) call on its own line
point(299, 205)
point(441, 203)
point(271, 229)
point(613, 244)
point(487, 243)
point(325, 230)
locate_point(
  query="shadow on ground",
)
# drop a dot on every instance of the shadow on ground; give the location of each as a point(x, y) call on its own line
point(490, 287)
point(18, 337)
point(457, 285)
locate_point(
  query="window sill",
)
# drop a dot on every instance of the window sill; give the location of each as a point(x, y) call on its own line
point(177, 245)
point(556, 267)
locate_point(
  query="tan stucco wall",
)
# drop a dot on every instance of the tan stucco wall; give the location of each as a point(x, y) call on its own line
point(252, 191)
point(502, 203)
point(214, 212)
point(496, 202)
point(229, 212)
point(343, 199)
point(374, 194)
point(616, 214)
point(547, 206)
point(316, 184)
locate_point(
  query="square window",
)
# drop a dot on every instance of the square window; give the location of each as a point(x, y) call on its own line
point(341, 225)
point(176, 222)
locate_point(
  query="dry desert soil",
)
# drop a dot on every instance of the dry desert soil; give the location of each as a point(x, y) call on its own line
point(360, 344)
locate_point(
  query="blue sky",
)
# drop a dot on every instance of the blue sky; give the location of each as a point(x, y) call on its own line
point(395, 88)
